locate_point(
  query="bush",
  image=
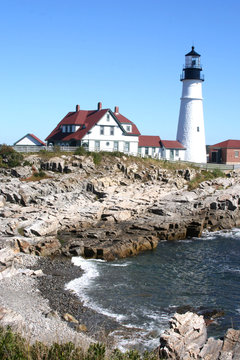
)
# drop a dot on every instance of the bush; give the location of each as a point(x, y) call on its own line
point(80, 151)
point(41, 174)
point(15, 347)
point(9, 157)
point(97, 157)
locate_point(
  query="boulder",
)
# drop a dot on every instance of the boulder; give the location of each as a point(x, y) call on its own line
point(231, 345)
point(187, 335)
point(69, 318)
point(22, 172)
point(2, 201)
point(211, 350)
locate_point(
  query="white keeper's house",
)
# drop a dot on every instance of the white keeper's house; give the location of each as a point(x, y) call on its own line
point(96, 130)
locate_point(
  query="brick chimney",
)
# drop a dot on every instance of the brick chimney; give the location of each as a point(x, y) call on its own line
point(99, 106)
point(116, 110)
point(77, 108)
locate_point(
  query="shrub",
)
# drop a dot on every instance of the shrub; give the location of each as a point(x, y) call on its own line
point(80, 151)
point(97, 157)
point(9, 157)
point(41, 174)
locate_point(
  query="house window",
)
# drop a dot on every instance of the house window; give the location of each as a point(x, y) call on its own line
point(126, 147)
point(63, 128)
point(236, 154)
point(101, 130)
point(111, 130)
point(146, 150)
point(177, 152)
point(115, 146)
point(128, 128)
point(153, 150)
point(198, 129)
point(108, 117)
point(107, 143)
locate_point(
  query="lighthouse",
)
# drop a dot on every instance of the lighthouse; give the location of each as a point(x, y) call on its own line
point(191, 131)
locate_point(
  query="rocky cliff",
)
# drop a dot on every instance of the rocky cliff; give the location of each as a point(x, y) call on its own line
point(111, 210)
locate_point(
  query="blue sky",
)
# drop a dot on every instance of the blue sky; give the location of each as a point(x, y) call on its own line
point(56, 54)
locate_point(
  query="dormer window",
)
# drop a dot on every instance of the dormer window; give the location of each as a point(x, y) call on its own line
point(128, 128)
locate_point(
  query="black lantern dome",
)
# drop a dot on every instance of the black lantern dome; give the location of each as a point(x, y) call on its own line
point(192, 68)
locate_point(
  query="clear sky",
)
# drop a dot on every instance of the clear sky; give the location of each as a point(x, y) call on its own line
point(56, 54)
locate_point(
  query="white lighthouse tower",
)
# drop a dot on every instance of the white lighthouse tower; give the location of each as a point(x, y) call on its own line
point(191, 131)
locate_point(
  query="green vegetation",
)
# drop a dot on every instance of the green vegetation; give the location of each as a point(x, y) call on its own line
point(80, 151)
point(204, 175)
point(21, 231)
point(15, 347)
point(37, 175)
point(9, 157)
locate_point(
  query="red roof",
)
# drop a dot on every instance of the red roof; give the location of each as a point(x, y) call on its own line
point(145, 140)
point(172, 144)
point(88, 118)
point(123, 120)
point(36, 138)
point(231, 144)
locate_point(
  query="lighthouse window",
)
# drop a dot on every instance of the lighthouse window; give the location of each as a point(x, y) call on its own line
point(198, 129)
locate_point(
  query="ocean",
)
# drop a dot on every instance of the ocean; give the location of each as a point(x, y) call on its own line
point(143, 292)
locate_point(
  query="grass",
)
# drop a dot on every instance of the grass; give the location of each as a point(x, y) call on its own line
point(14, 347)
point(204, 175)
point(37, 175)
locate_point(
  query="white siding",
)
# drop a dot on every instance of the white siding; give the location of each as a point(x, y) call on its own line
point(107, 139)
point(166, 154)
point(151, 151)
point(28, 140)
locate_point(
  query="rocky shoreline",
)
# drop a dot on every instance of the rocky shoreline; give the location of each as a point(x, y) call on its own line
point(110, 211)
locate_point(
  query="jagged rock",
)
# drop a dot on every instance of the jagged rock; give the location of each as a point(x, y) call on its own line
point(231, 345)
point(21, 172)
point(186, 337)
point(42, 227)
point(2, 201)
point(211, 350)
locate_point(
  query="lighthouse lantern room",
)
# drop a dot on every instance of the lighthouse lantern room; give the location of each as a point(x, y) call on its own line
point(191, 131)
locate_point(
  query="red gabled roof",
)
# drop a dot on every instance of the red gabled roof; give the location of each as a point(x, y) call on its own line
point(172, 144)
point(231, 144)
point(123, 120)
point(88, 118)
point(36, 138)
point(82, 117)
point(150, 141)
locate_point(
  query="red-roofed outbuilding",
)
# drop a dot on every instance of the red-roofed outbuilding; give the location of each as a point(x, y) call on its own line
point(225, 152)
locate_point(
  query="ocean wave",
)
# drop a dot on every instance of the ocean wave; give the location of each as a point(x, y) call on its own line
point(80, 285)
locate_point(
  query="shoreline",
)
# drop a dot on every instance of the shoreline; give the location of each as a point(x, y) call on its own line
point(60, 271)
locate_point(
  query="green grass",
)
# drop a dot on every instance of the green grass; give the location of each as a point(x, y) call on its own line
point(204, 175)
point(15, 347)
